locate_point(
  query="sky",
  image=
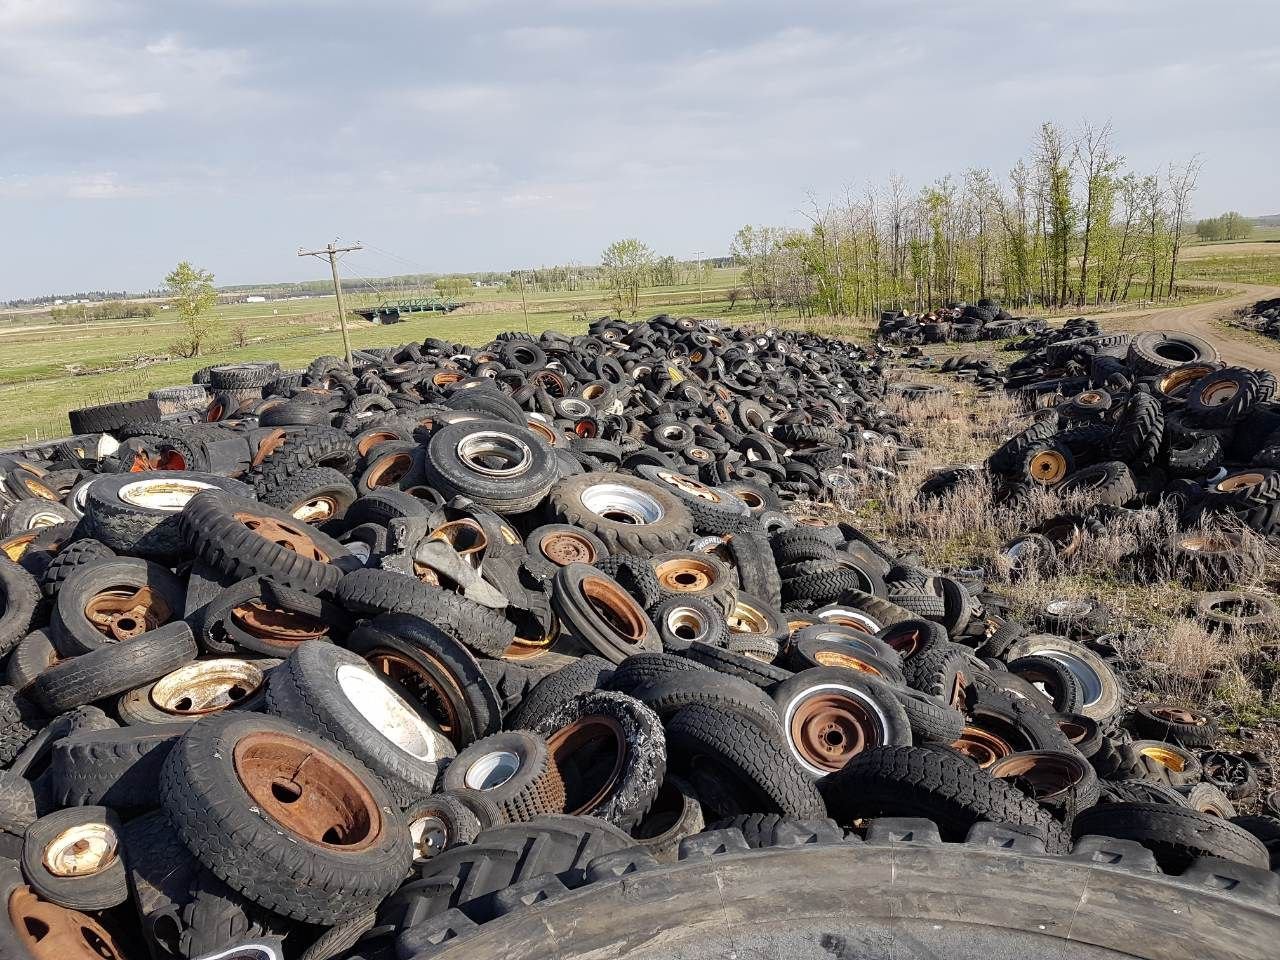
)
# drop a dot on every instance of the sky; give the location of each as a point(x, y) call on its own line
point(456, 135)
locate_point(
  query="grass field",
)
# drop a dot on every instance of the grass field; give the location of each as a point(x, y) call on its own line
point(49, 368)
point(1244, 267)
point(37, 388)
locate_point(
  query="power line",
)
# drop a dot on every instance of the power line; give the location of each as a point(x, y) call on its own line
point(331, 252)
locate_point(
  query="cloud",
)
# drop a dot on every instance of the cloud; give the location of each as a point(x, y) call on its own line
point(104, 185)
point(479, 133)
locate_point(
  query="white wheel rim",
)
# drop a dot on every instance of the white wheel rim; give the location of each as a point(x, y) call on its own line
point(206, 686)
point(390, 714)
point(429, 836)
point(81, 851)
point(621, 503)
point(492, 770)
point(169, 495)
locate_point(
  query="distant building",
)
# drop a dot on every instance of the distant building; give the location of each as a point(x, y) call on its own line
point(255, 299)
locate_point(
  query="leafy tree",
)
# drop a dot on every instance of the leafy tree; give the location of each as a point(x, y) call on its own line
point(192, 295)
point(627, 265)
point(454, 287)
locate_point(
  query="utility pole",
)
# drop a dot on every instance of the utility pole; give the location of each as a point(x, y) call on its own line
point(698, 261)
point(331, 252)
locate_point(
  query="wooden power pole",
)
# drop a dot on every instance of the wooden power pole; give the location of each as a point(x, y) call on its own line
point(331, 252)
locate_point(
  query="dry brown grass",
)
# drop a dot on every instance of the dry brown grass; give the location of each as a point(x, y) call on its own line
point(1166, 652)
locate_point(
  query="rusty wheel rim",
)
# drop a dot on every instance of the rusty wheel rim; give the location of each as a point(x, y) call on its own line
point(367, 443)
point(616, 608)
point(829, 725)
point(283, 628)
point(580, 752)
point(1219, 393)
point(466, 537)
point(206, 686)
point(906, 642)
point(82, 850)
point(1048, 467)
point(850, 661)
point(50, 932)
point(1176, 383)
point(1048, 774)
point(34, 486)
point(307, 792)
point(1240, 481)
point(1074, 732)
point(389, 470)
point(284, 534)
point(563, 548)
point(541, 430)
point(438, 700)
point(982, 747)
point(685, 574)
point(1207, 544)
point(122, 613)
point(1180, 715)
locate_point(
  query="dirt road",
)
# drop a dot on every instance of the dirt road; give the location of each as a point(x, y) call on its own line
point(1238, 347)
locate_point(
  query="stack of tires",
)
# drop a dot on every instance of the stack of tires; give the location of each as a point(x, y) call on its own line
point(1157, 418)
point(961, 323)
point(394, 660)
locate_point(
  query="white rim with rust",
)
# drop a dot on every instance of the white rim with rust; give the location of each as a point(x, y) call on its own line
point(169, 495)
point(82, 850)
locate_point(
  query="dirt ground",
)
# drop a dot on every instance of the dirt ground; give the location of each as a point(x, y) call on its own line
point(1238, 347)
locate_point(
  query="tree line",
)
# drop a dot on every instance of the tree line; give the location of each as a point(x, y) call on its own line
point(1229, 226)
point(109, 310)
point(1070, 224)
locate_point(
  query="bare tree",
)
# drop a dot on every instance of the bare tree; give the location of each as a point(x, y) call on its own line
point(1182, 184)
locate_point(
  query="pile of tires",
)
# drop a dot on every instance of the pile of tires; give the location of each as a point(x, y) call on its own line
point(1157, 418)
point(351, 681)
point(960, 323)
point(1264, 317)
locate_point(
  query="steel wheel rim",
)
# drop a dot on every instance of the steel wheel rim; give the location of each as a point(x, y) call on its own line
point(389, 713)
point(571, 749)
point(83, 850)
point(169, 495)
point(687, 623)
point(685, 574)
point(492, 770)
point(284, 534)
point(206, 687)
point(622, 504)
point(439, 701)
point(492, 453)
point(614, 606)
point(122, 613)
point(310, 794)
point(564, 547)
point(981, 746)
point(830, 724)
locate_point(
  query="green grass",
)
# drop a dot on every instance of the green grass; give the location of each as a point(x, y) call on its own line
point(36, 389)
point(1242, 268)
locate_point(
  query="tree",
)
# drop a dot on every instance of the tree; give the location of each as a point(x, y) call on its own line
point(627, 265)
point(1182, 184)
point(454, 287)
point(733, 295)
point(192, 295)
